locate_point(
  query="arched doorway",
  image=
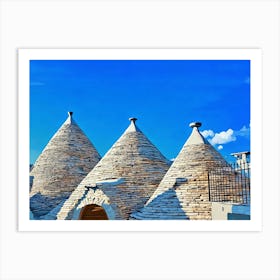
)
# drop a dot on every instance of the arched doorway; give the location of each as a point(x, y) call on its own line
point(93, 212)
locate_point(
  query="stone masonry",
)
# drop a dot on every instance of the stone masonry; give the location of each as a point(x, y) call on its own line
point(183, 192)
point(123, 180)
point(65, 161)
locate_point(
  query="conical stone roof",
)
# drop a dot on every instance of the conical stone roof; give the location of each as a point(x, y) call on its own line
point(64, 162)
point(183, 192)
point(123, 180)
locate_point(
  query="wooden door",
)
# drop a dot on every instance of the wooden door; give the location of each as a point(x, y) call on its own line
point(93, 212)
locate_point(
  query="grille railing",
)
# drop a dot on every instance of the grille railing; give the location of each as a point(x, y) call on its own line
point(230, 184)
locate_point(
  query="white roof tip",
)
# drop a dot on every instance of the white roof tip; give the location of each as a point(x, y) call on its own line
point(195, 124)
point(132, 127)
point(133, 120)
point(70, 118)
point(195, 138)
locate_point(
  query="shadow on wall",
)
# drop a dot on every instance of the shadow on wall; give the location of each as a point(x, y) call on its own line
point(165, 206)
point(41, 205)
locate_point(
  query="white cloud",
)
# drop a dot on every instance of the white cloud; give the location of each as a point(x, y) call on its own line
point(223, 137)
point(208, 133)
point(244, 132)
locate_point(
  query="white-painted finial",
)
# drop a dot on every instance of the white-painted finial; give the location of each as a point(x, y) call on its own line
point(132, 127)
point(195, 124)
point(133, 120)
point(69, 119)
point(195, 137)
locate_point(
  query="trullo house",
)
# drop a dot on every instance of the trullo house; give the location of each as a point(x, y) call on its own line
point(121, 182)
point(64, 162)
point(183, 192)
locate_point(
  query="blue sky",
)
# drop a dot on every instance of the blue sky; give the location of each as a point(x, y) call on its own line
point(164, 95)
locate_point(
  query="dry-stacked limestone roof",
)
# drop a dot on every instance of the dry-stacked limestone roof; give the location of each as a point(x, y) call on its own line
point(64, 162)
point(183, 192)
point(123, 180)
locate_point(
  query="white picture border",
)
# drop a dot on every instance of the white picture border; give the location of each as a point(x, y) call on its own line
point(254, 55)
